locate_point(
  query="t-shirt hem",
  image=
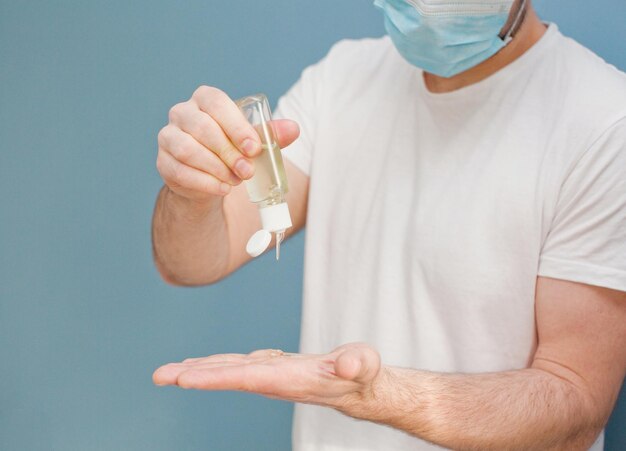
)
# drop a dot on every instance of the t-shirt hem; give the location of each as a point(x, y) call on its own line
point(583, 273)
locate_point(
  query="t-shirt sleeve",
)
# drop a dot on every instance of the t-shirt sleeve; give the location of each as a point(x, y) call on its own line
point(587, 239)
point(301, 103)
point(313, 97)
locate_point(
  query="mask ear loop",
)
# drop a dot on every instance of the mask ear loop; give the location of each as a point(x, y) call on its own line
point(517, 23)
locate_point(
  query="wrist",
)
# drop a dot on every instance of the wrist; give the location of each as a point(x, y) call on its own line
point(392, 399)
point(192, 209)
point(372, 401)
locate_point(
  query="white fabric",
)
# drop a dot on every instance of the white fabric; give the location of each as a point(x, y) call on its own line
point(431, 215)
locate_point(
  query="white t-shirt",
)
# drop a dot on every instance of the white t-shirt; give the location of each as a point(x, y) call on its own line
point(431, 215)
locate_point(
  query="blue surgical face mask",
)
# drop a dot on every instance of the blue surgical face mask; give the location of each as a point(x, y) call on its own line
point(446, 37)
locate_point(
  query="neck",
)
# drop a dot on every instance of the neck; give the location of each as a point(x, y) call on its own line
point(529, 33)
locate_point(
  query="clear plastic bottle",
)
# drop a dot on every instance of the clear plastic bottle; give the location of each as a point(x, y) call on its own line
point(268, 185)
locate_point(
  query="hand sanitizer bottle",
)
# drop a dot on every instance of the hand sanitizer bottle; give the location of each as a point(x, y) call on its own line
point(268, 185)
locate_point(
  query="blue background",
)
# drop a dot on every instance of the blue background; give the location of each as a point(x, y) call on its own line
point(84, 318)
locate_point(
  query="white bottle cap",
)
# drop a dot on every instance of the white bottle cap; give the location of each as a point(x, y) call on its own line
point(258, 243)
point(275, 218)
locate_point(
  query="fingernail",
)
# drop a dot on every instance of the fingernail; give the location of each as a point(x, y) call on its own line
point(249, 146)
point(233, 179)
point(225, 188)
point(243, 168)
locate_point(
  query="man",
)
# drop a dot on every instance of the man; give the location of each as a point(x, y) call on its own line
point(463, 186)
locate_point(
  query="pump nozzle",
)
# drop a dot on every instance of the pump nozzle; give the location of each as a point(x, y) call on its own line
point(280, 235)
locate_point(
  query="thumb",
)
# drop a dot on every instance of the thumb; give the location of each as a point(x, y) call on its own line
point(285, 131)
point(358, 362)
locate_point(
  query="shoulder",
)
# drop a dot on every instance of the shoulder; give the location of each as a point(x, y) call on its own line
point(360, 50)
point(352, 69)
point(355, 59)
point(596, 89)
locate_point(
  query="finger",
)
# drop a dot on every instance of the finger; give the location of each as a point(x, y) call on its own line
point(358, 363)
point(186, 149)
point(225, 112)
point(167, 374)
point(178, 175)
point(205, 128)
point(249, 378)
point(286, 131)
point(202, 366)
point(234, 358)
point(263, 354)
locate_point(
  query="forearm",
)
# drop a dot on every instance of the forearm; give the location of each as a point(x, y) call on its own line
point(525, 409)
point(190, 239)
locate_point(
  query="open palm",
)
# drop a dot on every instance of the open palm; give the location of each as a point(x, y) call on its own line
point(336, 379)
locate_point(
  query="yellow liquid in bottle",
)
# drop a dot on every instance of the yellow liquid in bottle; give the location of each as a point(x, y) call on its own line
point(269, 182)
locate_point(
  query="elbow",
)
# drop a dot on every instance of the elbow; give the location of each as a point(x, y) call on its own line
point(594, 410)
point(587, 421)
point(585, 406)
point(582, 439)
point(168, 276)
point(170, 279)
point(179, 280)
point(588, 431)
